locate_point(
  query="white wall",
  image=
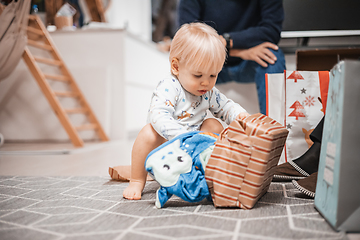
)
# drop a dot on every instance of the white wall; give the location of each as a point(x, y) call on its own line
point(133, 15)
point(115, 70)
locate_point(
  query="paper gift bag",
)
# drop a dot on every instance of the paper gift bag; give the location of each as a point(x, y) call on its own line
point(338, 185)
point(241, 166)
point(297, 100)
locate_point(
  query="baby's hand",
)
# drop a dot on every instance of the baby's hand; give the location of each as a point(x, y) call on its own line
point(243, 115)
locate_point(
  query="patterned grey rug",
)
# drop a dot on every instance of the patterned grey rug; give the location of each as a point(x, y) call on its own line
point(90, 208)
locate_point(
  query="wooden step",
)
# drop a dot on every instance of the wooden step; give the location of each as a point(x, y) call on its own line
point(35, 30)
point(48, 61)
point(60, 78)
point(39, 37)
point(32, 17)
point(39, 45)
point(66, 94)
point(76, 110)
point(85, 127)
point(53, 101)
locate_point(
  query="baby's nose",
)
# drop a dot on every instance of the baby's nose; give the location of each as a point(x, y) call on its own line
point(205, 83)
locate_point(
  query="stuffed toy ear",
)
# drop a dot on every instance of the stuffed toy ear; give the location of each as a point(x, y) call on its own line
point(162, 196)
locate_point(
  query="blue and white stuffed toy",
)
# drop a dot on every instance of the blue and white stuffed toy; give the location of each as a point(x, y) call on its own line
point(179, 167)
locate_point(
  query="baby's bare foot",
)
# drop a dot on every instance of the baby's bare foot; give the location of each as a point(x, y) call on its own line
point(134, 190)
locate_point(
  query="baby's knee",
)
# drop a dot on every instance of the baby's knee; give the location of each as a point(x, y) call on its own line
point(212, 125)
point(150, 134)
point(218, 127)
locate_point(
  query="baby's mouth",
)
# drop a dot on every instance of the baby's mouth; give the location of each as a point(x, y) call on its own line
point(202, 91)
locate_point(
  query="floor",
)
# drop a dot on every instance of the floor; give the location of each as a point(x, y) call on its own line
point(64, 208)
point(63, 159)
point(48, 174)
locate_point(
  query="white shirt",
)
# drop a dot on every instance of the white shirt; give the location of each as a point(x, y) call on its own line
point(174, 111)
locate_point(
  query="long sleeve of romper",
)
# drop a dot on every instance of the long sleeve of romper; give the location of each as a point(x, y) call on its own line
point(224, 108)
point(162, 109)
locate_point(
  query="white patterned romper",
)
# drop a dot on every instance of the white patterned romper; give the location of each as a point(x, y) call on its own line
point(174, 111)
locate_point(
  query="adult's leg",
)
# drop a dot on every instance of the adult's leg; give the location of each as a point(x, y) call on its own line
point(250, 71)
point(224, 76)
point(277, 67)
point(147, 140)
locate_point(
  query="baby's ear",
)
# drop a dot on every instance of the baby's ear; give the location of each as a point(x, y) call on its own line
point(175, 66)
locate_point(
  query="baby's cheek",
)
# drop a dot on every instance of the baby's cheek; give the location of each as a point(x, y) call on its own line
point(195, 86)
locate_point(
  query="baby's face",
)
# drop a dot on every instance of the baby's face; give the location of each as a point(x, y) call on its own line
point(196, 82)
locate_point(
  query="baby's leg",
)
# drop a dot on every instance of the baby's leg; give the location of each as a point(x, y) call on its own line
point(211, 125)
point(147, 140)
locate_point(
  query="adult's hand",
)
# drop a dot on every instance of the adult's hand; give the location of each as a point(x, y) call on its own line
point(260, 53)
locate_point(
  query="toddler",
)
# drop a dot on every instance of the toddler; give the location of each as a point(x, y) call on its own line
point(179, 103)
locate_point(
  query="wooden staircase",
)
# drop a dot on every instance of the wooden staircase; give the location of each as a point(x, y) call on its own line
point(40, 40)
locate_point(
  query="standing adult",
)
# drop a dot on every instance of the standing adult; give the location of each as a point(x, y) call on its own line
point(250, 30)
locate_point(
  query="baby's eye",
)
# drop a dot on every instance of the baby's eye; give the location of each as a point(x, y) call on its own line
point(180, 159)
point(166, 166)
point(198, 76)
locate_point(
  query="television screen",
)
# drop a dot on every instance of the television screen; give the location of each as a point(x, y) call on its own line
point(309, 15)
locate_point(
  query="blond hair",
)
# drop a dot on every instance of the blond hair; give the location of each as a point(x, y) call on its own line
point(199, 47)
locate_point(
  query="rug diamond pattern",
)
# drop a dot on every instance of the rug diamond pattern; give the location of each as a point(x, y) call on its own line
point(76, 208)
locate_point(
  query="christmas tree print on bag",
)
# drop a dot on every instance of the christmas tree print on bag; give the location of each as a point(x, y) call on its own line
point(303, 109)
point(297, 110)
point(299, 106)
